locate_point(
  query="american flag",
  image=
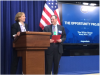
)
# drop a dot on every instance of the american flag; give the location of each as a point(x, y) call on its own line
point(50, 8)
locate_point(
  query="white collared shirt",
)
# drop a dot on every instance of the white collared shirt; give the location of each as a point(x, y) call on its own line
point(22, 27)
point(56, 29)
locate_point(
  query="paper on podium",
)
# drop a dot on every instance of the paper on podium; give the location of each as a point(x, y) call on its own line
point(55, 38)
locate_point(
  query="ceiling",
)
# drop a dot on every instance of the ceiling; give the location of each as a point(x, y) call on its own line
point(80, 2)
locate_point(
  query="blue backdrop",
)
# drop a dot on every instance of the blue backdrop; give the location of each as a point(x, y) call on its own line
point(33, 12)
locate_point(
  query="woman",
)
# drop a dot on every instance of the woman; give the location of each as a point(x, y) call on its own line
point(16, 28)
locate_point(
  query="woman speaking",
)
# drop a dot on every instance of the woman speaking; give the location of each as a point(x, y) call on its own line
point(16, 28)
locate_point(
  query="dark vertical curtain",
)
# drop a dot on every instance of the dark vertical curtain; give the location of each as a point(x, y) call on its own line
point(33, 12)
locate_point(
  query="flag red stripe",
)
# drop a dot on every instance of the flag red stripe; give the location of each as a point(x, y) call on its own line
point(45, 20)
point(46, 11)
point(41, 25)
point(57, 17)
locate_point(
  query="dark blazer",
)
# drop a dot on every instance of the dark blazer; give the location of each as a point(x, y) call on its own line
point(16, 27)
point(63, 36)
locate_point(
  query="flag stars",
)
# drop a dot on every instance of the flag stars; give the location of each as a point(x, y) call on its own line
point(49, 3)
point(56, 3)
point(51, 6)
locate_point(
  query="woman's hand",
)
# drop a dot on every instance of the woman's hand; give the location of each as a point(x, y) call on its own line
point(18, 34)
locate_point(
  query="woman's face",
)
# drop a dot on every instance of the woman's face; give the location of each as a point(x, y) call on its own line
point(22, 18)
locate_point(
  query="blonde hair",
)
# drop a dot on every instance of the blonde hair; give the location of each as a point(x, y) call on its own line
point(18, 15)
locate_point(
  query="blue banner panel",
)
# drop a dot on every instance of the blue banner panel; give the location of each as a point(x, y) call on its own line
point(81, 23)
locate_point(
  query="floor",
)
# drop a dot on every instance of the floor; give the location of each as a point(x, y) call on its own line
point(79, 74)
point(92, 74)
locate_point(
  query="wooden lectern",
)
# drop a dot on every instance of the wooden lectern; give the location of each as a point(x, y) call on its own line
point(31, 47)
